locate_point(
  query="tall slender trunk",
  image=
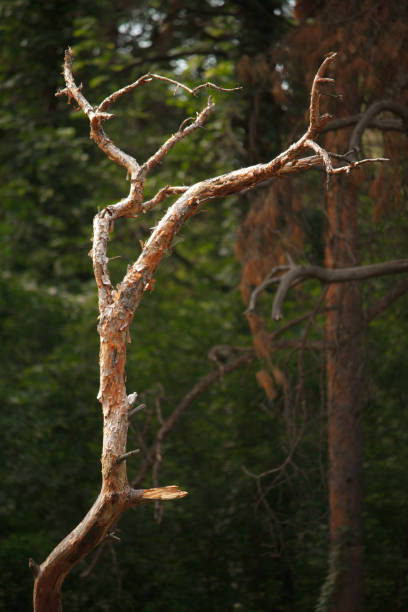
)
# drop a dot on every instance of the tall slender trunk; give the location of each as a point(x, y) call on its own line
point(344, 324)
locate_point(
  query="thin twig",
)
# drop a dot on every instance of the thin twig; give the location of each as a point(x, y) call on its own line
point(183, 132)
point(376, 309)
point(195, 89)
point(200, 387)
point(165, 192)
point(317, 121)
point(136, 410)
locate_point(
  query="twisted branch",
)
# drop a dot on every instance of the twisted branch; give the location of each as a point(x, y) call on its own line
point(117, 306)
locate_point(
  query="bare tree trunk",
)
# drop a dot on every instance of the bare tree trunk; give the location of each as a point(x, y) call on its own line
point(344, 324)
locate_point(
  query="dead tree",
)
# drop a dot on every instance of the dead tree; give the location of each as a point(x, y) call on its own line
point(117, 306)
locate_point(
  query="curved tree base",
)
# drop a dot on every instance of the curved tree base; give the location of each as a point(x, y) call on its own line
point(90, 532)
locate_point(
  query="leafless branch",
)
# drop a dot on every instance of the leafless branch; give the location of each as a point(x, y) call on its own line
point(161, 195)
point(127, 455)
point(332, 275)
point(377, 107)
point(140, 275)
point(283, 328)
point(325, 157)
point(379, 124)
point(117, 571)
point(146, 78)
point(98, 553)
point(352, 165)
point(397, 291)
point(136, 409)
point(117, 306)
point(317, 122)
point(271, 278)
point(280, 467)
point(199, 388)
point(95, 117)
point(295, 345)
point(195, 89)
point(313, 161)
point(183, 132)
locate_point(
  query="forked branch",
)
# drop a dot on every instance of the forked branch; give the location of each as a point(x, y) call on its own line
point(117, 306)
point(372, 111)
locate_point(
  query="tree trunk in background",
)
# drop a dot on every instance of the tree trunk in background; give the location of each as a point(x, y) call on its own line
point(344, 325)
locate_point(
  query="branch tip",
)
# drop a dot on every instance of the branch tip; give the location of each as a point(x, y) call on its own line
point(34, 567)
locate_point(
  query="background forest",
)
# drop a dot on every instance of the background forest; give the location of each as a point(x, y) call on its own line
point(269, 424)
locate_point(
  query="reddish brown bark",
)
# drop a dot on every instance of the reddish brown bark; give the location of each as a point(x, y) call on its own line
point(371, 81)
point(344, 364)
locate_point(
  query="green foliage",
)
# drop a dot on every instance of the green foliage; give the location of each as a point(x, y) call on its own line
point(48, 428)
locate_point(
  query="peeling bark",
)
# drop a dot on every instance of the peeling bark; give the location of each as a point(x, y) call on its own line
point(117, 306)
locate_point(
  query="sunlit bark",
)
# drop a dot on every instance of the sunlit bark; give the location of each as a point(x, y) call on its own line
point(117, 306)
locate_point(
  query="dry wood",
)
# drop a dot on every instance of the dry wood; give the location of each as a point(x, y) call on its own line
point(117, 306)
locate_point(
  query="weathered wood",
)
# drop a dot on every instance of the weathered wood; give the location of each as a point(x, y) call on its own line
point(117, 306)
